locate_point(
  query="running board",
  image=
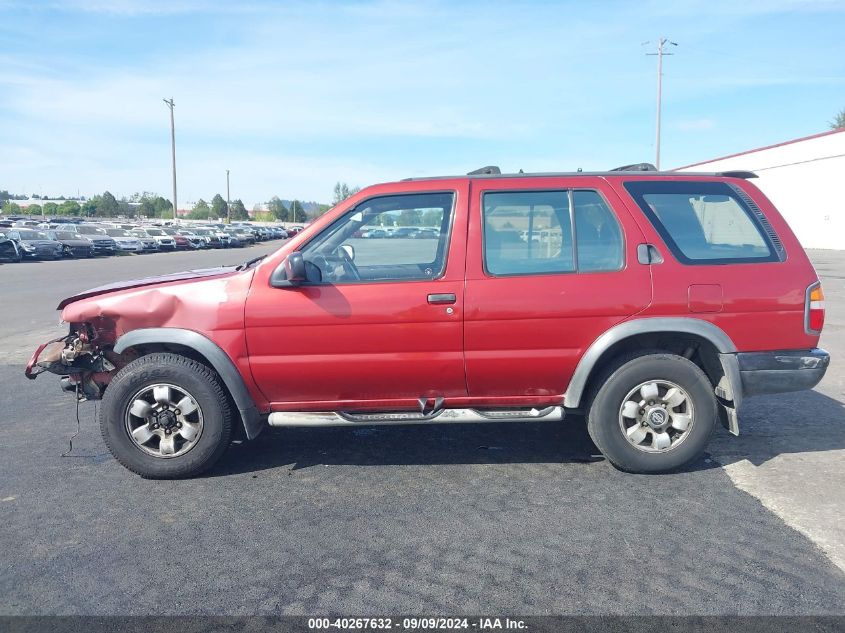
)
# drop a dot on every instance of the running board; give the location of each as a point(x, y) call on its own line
point(440, 416)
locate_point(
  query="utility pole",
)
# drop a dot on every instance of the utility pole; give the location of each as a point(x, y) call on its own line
point(171, 105)
point(228, 208)
point(661, 44)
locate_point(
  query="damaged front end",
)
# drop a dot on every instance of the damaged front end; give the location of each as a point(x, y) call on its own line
point(83, 359)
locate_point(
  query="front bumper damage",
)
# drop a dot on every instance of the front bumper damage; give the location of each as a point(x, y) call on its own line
point(85, 368)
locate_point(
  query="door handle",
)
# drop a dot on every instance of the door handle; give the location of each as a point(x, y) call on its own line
point(438, 299)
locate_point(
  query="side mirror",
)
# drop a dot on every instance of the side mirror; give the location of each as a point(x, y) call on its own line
point(349, 250)
point(290, 273)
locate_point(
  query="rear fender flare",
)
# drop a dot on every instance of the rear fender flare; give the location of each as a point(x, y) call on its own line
point(217, 358)
point(723, 343)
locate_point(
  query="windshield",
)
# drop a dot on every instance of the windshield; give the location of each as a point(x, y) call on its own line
point(118, 233)
point(66, 235)
point(32, 235)
point(90, 230)
point(169, 231)
point(157, 232)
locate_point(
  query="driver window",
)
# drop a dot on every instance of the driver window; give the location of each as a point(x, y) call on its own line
point(398, 238)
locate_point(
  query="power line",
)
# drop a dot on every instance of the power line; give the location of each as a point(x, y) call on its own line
point(661, 46)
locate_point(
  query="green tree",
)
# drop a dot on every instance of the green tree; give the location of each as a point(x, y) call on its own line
point(146, 208)
point(319, 210)
point(838, 121)
point(107, 206)
point(201, 210)
point(51, 208)
point(239, 210)
point(90, 206)
point(342, 191)
point(218, 206)
point(278, 209)
point(11, 208)
point(69, 207)
point(432, 217)
point(410, 217)
point(33, 209)
point(163, 207)
point(297, 213)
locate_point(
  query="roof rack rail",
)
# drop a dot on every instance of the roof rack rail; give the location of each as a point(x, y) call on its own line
point(737, 173)
point(490, 169)
point(636, 167)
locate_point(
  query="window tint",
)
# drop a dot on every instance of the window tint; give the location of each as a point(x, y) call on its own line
point(388, 238)
point(530, 232)
point(598, 236)
point(702, 222)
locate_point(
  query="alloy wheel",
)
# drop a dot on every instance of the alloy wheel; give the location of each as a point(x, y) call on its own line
point(656, 416)
point(164, 420)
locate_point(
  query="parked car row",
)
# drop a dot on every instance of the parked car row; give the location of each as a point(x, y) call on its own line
point(30, 239)
point(406, 232)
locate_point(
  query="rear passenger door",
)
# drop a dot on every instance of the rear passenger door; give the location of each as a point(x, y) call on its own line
point(551, 265)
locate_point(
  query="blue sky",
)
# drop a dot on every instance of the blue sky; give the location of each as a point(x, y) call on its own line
point(293, 96)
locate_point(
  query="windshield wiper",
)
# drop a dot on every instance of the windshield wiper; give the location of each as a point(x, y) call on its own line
point(249, 263)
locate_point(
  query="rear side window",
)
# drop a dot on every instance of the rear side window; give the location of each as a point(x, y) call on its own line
point(703, 222)
point(531, 233)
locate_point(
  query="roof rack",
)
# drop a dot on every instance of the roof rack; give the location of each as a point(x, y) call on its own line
point(636, 167)
point(489, 170)
point(737, 173)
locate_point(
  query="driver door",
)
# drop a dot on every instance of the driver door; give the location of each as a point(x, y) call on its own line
point(379, 323)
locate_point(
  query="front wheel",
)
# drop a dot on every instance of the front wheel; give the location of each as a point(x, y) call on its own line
point(165, 416)
point(652, 413)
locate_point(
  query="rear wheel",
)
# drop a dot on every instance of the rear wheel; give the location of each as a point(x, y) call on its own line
point(652, 413)
point(165, 416)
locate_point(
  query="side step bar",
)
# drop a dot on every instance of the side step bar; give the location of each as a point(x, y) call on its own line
point(440, 416)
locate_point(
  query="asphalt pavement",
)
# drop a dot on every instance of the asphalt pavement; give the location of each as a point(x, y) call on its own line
point(505, 519)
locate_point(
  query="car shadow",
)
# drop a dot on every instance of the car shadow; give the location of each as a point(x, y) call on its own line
point(769, 426)
point(497, 443)
point(773, 425)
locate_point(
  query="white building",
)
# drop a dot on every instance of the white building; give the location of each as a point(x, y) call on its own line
point(804, 179)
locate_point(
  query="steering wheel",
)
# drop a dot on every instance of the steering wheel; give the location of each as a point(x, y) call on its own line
point(349, 266)
point(337, 267)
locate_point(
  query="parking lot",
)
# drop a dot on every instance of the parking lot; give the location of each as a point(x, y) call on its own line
point(518, 519)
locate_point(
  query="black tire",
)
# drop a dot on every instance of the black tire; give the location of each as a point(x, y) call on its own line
point(206, 389)
point(612, 387)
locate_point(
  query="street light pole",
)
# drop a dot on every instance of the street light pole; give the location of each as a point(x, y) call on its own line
point(171, 105)
point(228, 208)
point(661, 43)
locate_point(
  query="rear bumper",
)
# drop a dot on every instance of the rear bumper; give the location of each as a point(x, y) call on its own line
point(782, 371)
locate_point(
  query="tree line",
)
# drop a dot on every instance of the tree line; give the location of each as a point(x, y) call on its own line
point(105, 205)
point(152, 205)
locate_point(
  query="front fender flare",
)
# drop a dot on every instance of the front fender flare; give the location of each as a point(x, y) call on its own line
point(216, 357)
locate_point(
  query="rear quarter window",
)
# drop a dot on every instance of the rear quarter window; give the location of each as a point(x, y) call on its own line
point(703, 222)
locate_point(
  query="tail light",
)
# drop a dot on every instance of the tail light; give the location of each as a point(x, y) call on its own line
point(814, 309)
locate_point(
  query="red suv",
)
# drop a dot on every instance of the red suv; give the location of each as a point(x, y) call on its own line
point(653, 302)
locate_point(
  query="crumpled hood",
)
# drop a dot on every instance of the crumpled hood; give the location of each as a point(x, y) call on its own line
point(149, 281)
